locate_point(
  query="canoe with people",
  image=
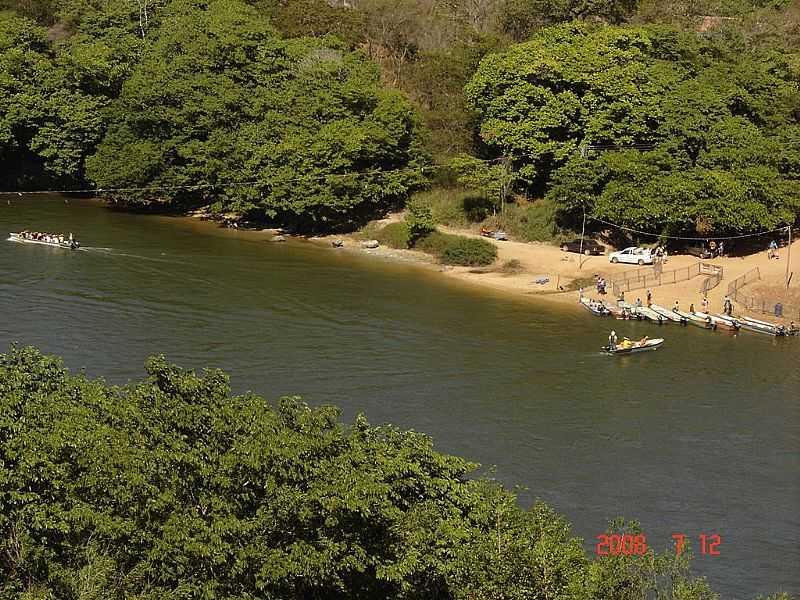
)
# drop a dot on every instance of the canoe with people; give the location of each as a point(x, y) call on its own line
point(596, 307)
point(627, 346)
point(57, 240)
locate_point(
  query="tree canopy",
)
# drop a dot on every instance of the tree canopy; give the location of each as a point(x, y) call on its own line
point(647, 126)
point(174, 488)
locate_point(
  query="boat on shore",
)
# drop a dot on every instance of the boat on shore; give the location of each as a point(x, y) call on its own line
point(649, 314)
point(629, 347)
point(725, 324)
point(597, 308)
point(758, 326)
point(698, 319)
point(45, 239)
point(670, 315)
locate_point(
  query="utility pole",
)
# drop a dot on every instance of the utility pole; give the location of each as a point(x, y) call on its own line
point(583, 231)
point(788, 257)
point(504, 188)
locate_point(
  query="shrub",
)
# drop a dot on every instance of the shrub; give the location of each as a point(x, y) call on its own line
point(394, 235)
point(534, 222)
point(456, 207)
point(419, 218)
point(458, 250)
point(469, 252)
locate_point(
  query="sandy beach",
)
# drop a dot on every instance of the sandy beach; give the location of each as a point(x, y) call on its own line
point(564, 272)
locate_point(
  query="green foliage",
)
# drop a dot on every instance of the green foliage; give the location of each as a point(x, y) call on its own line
point(469, 252)
point(174, 488)
point(532, 222)
point(520, 18)
point(491, 178)
point(47, 124)
point(456, 207)
point(394, 235)
point(458, 249)
point(419, 219)
point(717, 117)
point(219, 99)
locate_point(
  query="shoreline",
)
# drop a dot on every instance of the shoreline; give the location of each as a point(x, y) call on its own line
point(545, 263)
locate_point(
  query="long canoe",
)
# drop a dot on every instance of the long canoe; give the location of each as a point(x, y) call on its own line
point(765, 327)
point(596, 308)
point(669, 314)
point(649, 313)
point(698, 320)
point(636, 347)
point(726, 324)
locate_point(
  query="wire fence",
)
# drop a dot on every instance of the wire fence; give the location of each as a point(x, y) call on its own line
point(715, 275)
point(767, 306)
point(655, 277)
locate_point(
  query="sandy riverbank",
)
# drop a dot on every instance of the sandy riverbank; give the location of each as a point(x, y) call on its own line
point(565, 271)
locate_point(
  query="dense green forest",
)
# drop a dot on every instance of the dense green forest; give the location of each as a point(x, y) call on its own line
point(670, 116)
point(174, 488)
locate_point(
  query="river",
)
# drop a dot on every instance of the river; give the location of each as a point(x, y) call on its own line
point(701, 437)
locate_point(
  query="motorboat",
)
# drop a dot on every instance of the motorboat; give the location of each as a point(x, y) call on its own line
point(45, 239)
point(626, 346)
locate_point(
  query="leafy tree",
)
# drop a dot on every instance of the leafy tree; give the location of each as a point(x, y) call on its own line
point(174, 488)
point(419, 219)
point(300, 131)
point(46, 128)
point(710, 124)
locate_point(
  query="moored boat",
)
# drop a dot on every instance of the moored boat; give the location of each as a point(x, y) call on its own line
point(725, 324)
point(765, 327)
point(670, 315)
point(595, 307)
point(629, 347)
point(45, 239)
point(650, 314)
point(698, 319)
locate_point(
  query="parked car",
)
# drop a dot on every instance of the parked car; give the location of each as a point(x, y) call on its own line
point(699, 251)
point(632, 255)
point(589, 247)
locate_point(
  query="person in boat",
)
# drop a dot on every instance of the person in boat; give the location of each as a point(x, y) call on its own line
point(792, 330)
point(638, 303)
point(612, 340)
point(642, 342)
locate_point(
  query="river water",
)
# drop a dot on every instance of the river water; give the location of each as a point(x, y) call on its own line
point(701, 437)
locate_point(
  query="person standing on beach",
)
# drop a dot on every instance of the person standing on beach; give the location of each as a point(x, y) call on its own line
point(677, 307)
point(773, 250)
point(649, 298)
point(705, 304)
point(721, 249)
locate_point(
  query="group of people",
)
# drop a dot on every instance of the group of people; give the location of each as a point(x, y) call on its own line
point(50, 238)
point(601, 285)
point(614, 343)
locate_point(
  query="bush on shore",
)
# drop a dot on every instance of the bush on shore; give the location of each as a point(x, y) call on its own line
point(458, 250)
point(394, 235)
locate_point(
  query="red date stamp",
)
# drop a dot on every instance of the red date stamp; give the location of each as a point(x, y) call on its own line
point(629, 544)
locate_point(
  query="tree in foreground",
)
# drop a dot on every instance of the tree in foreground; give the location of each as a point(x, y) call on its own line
point(174, 488)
